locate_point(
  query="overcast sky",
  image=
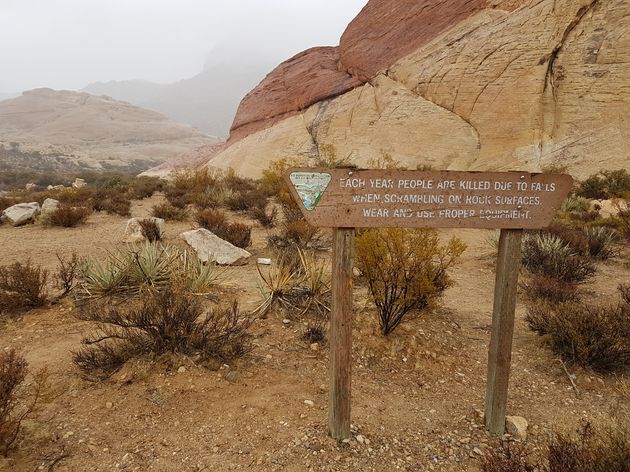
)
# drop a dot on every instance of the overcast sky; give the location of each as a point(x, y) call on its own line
point(66, 44)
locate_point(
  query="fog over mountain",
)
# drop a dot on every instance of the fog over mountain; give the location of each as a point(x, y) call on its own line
point(192, 60)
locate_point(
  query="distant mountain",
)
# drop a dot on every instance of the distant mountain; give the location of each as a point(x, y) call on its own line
point(207, 101)
point(46, 129)
point(6, 96)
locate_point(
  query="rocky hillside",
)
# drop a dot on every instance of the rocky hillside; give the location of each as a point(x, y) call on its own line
point(479, 84)
point(61, 130)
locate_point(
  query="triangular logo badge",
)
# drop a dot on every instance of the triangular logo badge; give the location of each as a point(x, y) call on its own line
point(310, 186)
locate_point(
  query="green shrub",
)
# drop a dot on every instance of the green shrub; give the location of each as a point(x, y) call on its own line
point(549, 255)
point(573, 203)
point(166, 321)
point(605, 185)
point(404, 269)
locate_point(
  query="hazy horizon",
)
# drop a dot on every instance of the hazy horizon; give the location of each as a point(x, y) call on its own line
point(68, 44)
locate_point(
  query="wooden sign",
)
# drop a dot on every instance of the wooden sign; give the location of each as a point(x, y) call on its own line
point(332, 198)
point(345, 199)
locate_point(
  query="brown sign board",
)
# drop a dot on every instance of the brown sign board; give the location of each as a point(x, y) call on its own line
point(350, 198)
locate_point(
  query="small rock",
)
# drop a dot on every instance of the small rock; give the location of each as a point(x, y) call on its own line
point(109, 405)
point(309, 402)
point(79, 183)
point(181, 370)
point(360, 439)
point(264, 261)
point(231, 376)
point(286, 321)
point(478, 451)
point(517, 427)
point(315, 347)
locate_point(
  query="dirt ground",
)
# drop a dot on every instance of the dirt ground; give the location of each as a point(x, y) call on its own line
point(418, 395)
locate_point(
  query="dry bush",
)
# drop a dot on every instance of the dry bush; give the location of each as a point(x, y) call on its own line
point(168, 212)
point(166, 321)
point(507, 457)
point(247, 200)
point(573, 203)
point(597, 337)
point(67, 273)
point(290, 209)
point(550, 255)
point(144, 187)
point(112, 201)
point(22, 286)
point(404, 269)
point(601, 448)
point(315, 333)
point(297, 233)
point(550, 289)
point(17, 399)
point(238, 234)
point(68, 216)
point(266, 219)
point(624, 289)
point(150, 230)
point(212, 220)
point(272, 180)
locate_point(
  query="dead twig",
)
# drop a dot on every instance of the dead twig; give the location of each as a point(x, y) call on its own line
point(570, 376)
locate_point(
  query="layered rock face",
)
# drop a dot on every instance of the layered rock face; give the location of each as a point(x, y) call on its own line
point(479, 84)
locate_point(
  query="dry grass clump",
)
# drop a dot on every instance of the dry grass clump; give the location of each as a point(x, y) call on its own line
point(17, 398)
point(67, 273)
point(550, 255)
point(597, 242)
point(238, 234)
point(144, 187)
point(405, 270)
point(169, 212)
point(150, 230)
point(507, 457)
point(267, 219)
point(596, 337)
point(166, 321)
point(68, 216)
point(297, 233)
point(22, 286)
point(111, 201)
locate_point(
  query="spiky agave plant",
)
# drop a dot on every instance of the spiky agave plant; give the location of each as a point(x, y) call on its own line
point(198, 278)
point(316, 284)
point(276, 284)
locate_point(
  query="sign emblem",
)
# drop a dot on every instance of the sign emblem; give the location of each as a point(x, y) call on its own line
point(310, 186)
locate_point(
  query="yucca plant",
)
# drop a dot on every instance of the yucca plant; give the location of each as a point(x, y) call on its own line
point(315, 284)
point(198, 277)
point(100, 278)
point(276, 284)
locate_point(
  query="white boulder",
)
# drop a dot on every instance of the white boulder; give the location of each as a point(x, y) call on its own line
point(79, 183)
point(21, 213)
point(517, 427)
point(210, 247)
point(49, 205)
point(133, 231)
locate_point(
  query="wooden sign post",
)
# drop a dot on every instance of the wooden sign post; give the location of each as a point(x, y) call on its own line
point(345, 199)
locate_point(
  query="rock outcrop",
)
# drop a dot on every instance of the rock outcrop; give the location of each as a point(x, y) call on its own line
point(480, 85)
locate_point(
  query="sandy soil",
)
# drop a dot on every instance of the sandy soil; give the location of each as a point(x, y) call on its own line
point(417, 395)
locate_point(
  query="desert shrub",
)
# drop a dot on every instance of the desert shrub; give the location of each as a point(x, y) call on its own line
point(6, 202)
point(111, 201)
point(22, 286)
point(150, 230)
point(404, 269)
point(602, 448)
point(554, 168)
point(276, 283)
point(245, 201)
point(166, 321)
point(168, 212)
point(297, 233)
point(591, 241)
point(507, 457)
point(290, 209)
point(624, 289)
point(550, 255)
point(315, 333)
point(605, 185)
point(238, 234)
point(550, 289)
point(573, 203)
point(67, 216)
point(18, 399)
point(144, 187)
point(67, 273)
point(597, 337)
point(212, 220)
point(149, 266)
point(238, 184)
point(265, 218)
point(385, 161)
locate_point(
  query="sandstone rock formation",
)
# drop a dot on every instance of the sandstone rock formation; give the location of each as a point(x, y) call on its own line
point(211, 248)
point(188, 160)
point(49, 206)
point(46, 129)
point(480, 85)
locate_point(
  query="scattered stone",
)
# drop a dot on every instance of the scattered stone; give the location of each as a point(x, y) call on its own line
point(264, 261)
point(109, 405)
point(49, 206)
point(478, 451)
point(516, 426)
point(181, 370)
point(360, 439)
point(79, 183)
point(30, 186)
point(22, 213)
point(231, 376)
point(286, 321)
point(309, 402)
point(315, 347)
point(133, 231)
point(210, 247)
